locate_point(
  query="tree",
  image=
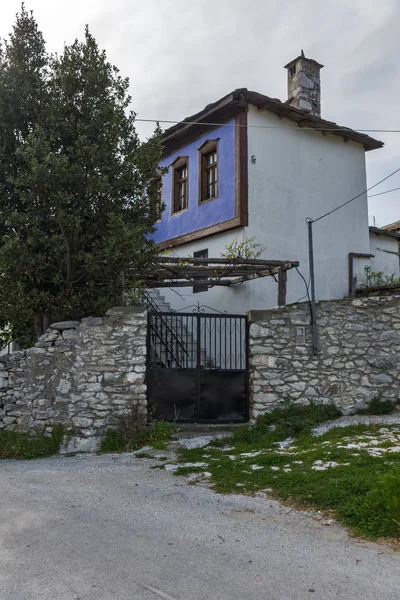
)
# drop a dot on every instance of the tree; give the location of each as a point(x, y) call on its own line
point(78, 220)
point(23, 97)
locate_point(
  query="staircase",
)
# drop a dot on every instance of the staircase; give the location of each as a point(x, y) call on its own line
point(156, 302)
point(173, 337)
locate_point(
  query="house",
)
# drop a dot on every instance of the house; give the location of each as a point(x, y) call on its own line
point(384, 248)
point(250, 166)
point(393, 227)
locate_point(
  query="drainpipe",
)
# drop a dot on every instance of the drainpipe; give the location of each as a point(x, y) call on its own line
point(352, 255)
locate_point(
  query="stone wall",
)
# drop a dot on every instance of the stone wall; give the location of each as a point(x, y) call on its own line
point(358, 359)
point(80, 374)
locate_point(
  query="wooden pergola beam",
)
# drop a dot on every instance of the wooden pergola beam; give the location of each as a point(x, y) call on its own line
point(226, 261)
point(216, 273)
point(176, 272)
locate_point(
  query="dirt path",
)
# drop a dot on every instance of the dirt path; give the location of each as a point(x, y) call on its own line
point(111, 527)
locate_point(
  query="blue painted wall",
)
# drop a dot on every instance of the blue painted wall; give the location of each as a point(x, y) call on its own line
point(212, 212)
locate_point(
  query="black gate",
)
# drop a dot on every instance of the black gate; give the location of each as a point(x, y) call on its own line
point(197, 367)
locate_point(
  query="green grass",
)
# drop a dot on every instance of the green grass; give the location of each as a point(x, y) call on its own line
point(289, 421)
point(362, 491)
point(15, 444)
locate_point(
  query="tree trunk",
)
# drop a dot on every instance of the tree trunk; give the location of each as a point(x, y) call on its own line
point(38, 325)
point(46, 322)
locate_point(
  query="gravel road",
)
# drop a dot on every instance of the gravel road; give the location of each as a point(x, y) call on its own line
point(113, 528)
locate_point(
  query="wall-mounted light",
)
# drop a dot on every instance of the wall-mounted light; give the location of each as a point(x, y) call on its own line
point(253, 159)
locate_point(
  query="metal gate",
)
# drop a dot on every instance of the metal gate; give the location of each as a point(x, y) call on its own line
point(197, 367)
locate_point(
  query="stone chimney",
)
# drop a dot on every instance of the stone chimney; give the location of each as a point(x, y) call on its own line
point(304, 84)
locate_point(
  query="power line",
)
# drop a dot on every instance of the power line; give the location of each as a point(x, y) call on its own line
point(387, 192)
point(307, 286)
point(266, 126)
point(354, 198)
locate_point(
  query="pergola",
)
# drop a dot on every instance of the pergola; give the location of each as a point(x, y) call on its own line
point(210, 272)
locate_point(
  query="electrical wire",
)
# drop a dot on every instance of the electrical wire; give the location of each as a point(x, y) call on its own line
point(307, 285)
point(171, 122)
point(387, 192)
point(352, 199)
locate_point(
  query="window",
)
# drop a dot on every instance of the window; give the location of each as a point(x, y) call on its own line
point(292, 70)
point(198, 287)
point(180, 199)
point(209, 171)
point(154, 192)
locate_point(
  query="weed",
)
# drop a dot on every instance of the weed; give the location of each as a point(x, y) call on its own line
point(379, 278)
point(112, 442)
point(133, 431)
point(16, 444)
point(378, 407)
point(160, 433)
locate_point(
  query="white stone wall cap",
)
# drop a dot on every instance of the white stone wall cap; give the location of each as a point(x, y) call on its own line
point(65, 325)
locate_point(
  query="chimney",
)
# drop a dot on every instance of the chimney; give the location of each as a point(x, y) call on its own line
point(304, 84)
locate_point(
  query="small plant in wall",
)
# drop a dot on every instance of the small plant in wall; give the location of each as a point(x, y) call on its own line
point(247, 248)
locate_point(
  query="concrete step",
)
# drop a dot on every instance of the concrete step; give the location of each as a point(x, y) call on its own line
point(163, 307)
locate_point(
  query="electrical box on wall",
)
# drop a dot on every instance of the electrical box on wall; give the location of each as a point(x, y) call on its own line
point(300, 335)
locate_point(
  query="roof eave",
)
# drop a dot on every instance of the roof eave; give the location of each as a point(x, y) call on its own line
point(192, 127)
point(387, 232)
point(225, 108)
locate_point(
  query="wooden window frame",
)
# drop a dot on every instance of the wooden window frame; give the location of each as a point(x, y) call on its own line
point(159, 201)
point(207, 148)
point(177, 165)
point(198, 288)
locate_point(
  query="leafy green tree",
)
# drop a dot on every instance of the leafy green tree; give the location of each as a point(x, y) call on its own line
point(23, 98)
point(79, 219)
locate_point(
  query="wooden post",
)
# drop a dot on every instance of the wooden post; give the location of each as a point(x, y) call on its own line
point(282, 279)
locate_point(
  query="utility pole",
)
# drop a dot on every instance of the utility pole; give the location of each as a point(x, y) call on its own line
point(312, 282)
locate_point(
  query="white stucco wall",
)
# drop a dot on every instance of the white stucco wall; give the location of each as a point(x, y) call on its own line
point(297, 174)
point(386, 255)
point(235, 299)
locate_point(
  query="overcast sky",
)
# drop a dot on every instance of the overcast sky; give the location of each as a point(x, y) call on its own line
point(182, 55)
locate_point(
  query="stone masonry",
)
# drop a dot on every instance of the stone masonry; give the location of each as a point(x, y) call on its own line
point(358, 359)
point(304, 84)
point(80, 374)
